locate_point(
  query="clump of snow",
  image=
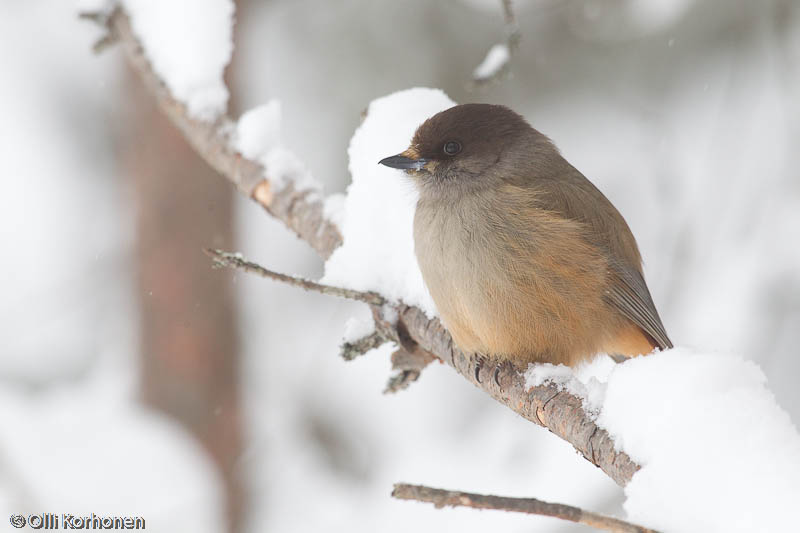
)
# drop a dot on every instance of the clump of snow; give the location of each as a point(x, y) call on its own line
point(377, 253)
point(333, 209)
point(539, 374)
point(586, 382)
point(495, 59)
point(258, 138)
point(188, 44)
point(594, 375)
point(282, 167)
point(716, 450)
point(357, 328)
point(258, 130)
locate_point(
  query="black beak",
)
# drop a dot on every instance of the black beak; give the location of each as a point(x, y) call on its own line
point(402, 162)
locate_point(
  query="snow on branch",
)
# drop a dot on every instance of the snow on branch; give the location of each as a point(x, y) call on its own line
point(300, 208)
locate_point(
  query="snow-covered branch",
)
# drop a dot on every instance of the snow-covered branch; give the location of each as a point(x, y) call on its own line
point(302, 211)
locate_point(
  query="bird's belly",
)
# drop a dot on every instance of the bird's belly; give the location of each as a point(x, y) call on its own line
point(522, 310)
point(475, 298)
point(480, 315)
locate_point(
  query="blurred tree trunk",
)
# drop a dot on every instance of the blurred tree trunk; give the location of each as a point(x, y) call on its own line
point(188, 317)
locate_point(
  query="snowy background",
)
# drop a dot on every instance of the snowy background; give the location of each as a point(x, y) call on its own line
point(684, 113)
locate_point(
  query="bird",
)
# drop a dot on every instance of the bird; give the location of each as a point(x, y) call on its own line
point(526, 260)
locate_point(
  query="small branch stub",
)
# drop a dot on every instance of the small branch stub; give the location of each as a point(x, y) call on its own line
point(447, 498)
point(351, 350)
point(409, 364)
point(401, 381)
point(101, 19)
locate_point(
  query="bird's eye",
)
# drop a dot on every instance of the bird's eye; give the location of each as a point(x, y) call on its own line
point(452, 147)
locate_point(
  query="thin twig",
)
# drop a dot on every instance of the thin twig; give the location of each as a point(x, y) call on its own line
point(98, 17)
point(447, 498)
point(511, 21)
point(513, 37)
point(232, 260)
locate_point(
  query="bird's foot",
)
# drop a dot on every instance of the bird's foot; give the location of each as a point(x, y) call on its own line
point(497, 369)
point(480, 362)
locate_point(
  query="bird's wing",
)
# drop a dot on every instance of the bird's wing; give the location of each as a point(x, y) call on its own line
point(629, 294)
point(575, 197)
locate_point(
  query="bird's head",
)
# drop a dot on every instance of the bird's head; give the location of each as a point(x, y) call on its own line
point(466, 146)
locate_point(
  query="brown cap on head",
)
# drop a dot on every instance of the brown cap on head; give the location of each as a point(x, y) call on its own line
point(468, 130)
point(466, 140)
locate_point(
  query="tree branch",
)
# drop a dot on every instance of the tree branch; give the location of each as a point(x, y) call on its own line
point(559, 411)
point(228, 259)
point(301, 211)
point(409, 364)
point(447, 498)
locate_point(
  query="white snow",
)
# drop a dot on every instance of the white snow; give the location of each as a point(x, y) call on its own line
point(496, 58)
point(716, 450)
point(189, 44)
point(333, 209)
point(547, 373)
point(357, 328)
point(587, 381)
point(377, 223)
point(283, 167)
point(258, 130)
point(718, 453)
point(258, 138)
point(86, 449)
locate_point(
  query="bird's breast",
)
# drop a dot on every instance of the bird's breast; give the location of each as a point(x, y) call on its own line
point(460, 260)
point(511, 280)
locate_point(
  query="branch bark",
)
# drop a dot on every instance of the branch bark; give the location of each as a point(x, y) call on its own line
point(302, 212)
point(447, 498)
